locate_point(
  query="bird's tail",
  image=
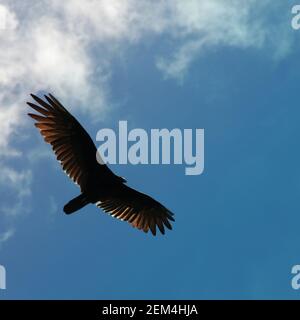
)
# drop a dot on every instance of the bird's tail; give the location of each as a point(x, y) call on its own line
point(76, 204)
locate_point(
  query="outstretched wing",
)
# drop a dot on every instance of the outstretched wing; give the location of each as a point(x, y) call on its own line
point(72, 145)
point(140, 210)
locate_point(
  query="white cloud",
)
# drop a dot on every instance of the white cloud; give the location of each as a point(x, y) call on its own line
point(17, 186)
point(200, 25)
point(115, 20)
point(8, 19)
point(177, 65)
point(6, 235)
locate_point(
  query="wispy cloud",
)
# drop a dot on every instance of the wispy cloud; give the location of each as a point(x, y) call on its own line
point(6, 235)
point(197, 26)
point(16, 185)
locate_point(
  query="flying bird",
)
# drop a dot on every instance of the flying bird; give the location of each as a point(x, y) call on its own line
point(76, 152)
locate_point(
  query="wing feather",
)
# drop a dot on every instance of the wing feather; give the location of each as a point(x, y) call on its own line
point(140, 210)
point(70, 142)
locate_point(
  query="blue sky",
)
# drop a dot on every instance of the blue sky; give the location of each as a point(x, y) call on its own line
point(236, 233)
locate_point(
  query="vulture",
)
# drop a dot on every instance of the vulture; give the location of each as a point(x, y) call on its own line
point(76, 152)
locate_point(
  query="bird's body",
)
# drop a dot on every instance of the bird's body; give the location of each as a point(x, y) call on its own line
point(76, 153)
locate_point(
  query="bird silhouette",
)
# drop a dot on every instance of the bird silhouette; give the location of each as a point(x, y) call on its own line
point(76, 152)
